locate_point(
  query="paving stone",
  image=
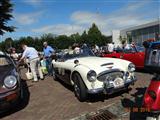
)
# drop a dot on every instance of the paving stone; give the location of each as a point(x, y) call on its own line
point(53, 100)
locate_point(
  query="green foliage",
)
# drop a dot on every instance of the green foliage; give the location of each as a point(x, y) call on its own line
point(5, 16)
point(93, 36)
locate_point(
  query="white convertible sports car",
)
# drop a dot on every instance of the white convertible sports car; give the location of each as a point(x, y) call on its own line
point(90, 74)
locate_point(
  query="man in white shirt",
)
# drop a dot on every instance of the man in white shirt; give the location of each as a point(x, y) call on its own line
point(32, 54)
point(110, 47)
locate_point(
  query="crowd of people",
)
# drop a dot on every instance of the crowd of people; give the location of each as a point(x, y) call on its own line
point(110, 48)
point(34, 60)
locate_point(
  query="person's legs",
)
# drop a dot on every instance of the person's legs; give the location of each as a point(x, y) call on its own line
point(33, 69)
point(50, 66)
point(39, 69)
point(47, 65)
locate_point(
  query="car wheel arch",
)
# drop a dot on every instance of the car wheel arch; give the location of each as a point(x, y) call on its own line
point(72, 78)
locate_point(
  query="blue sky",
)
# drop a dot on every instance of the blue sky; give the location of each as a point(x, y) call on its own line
point(37, 17)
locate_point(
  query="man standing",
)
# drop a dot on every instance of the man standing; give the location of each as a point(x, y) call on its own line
point(32, 54)
point(111, 47)
point(48, 52)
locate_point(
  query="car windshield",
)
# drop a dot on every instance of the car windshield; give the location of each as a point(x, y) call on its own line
point(134, 49)
point(140, 49)
point(82, 52)
point(5, 61)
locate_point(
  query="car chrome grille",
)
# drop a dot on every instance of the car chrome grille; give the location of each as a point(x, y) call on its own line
point(110, 76)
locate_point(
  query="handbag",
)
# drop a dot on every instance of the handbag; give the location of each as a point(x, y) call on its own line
point(44, 70)
point(29, 74)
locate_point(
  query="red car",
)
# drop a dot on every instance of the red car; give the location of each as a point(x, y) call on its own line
point(151, 99)
point(135, 54)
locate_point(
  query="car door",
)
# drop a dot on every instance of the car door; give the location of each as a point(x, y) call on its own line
point(134, 56)
point(63, 70)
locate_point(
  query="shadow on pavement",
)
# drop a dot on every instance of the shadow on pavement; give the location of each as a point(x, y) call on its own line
point(144, 71)
point(21, 104)
point(102, 97)
point(134, 106)
point(96, 97)
point(67, 86)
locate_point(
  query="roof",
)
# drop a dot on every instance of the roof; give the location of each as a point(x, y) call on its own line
point(142, 26)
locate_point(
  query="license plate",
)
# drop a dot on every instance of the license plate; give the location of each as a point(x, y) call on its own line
point(118, 82)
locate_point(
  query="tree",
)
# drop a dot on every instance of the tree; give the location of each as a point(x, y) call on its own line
point(63, 42)
point(94, 35)
point(5, 16)
point(94, 30)
point(8, 43)
point(84, 37)
point(76, 38)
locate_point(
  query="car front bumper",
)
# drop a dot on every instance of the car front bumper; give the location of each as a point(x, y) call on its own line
point(110, 90)
point(8, 99)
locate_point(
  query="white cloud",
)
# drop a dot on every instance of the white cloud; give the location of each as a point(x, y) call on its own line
point(60, 29)
point(27, 18)
point(33, 2)
point(129, 15)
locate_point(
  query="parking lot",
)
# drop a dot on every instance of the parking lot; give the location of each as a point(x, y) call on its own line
point(53, 100)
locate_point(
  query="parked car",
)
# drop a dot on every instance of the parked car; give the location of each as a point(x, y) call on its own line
point(152, 95)
point(10, 83)
point(135, 54)
point(90, 74)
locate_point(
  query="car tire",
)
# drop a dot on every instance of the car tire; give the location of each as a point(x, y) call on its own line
point(21, 96)
point(79, 88)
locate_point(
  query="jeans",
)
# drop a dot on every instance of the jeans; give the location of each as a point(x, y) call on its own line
point(49, 65)
point(35, 67)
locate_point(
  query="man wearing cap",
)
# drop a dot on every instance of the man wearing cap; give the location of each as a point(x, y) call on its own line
point(32, 54)
point(48, 52)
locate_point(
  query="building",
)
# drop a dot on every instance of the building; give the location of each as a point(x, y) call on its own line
point(116, 37)
point(143, 32)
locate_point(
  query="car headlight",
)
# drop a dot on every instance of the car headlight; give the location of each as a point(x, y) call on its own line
point(10, 81)
point(131, 67)
point(91, 76)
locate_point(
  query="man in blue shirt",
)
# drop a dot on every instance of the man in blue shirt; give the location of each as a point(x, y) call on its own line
point(48, 52)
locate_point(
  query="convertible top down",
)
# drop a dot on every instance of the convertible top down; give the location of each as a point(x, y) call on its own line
point(91, 74)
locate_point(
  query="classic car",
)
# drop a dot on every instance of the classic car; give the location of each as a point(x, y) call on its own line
point(89, 74)
point(10, 83)
point(135, 54)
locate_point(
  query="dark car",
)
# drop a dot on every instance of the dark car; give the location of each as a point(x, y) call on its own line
point(10, 83)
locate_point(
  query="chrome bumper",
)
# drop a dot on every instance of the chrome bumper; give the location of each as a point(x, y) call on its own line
point(112, 89)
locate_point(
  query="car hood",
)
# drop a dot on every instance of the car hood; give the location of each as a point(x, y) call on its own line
point(4, 71)
point(102, 64)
